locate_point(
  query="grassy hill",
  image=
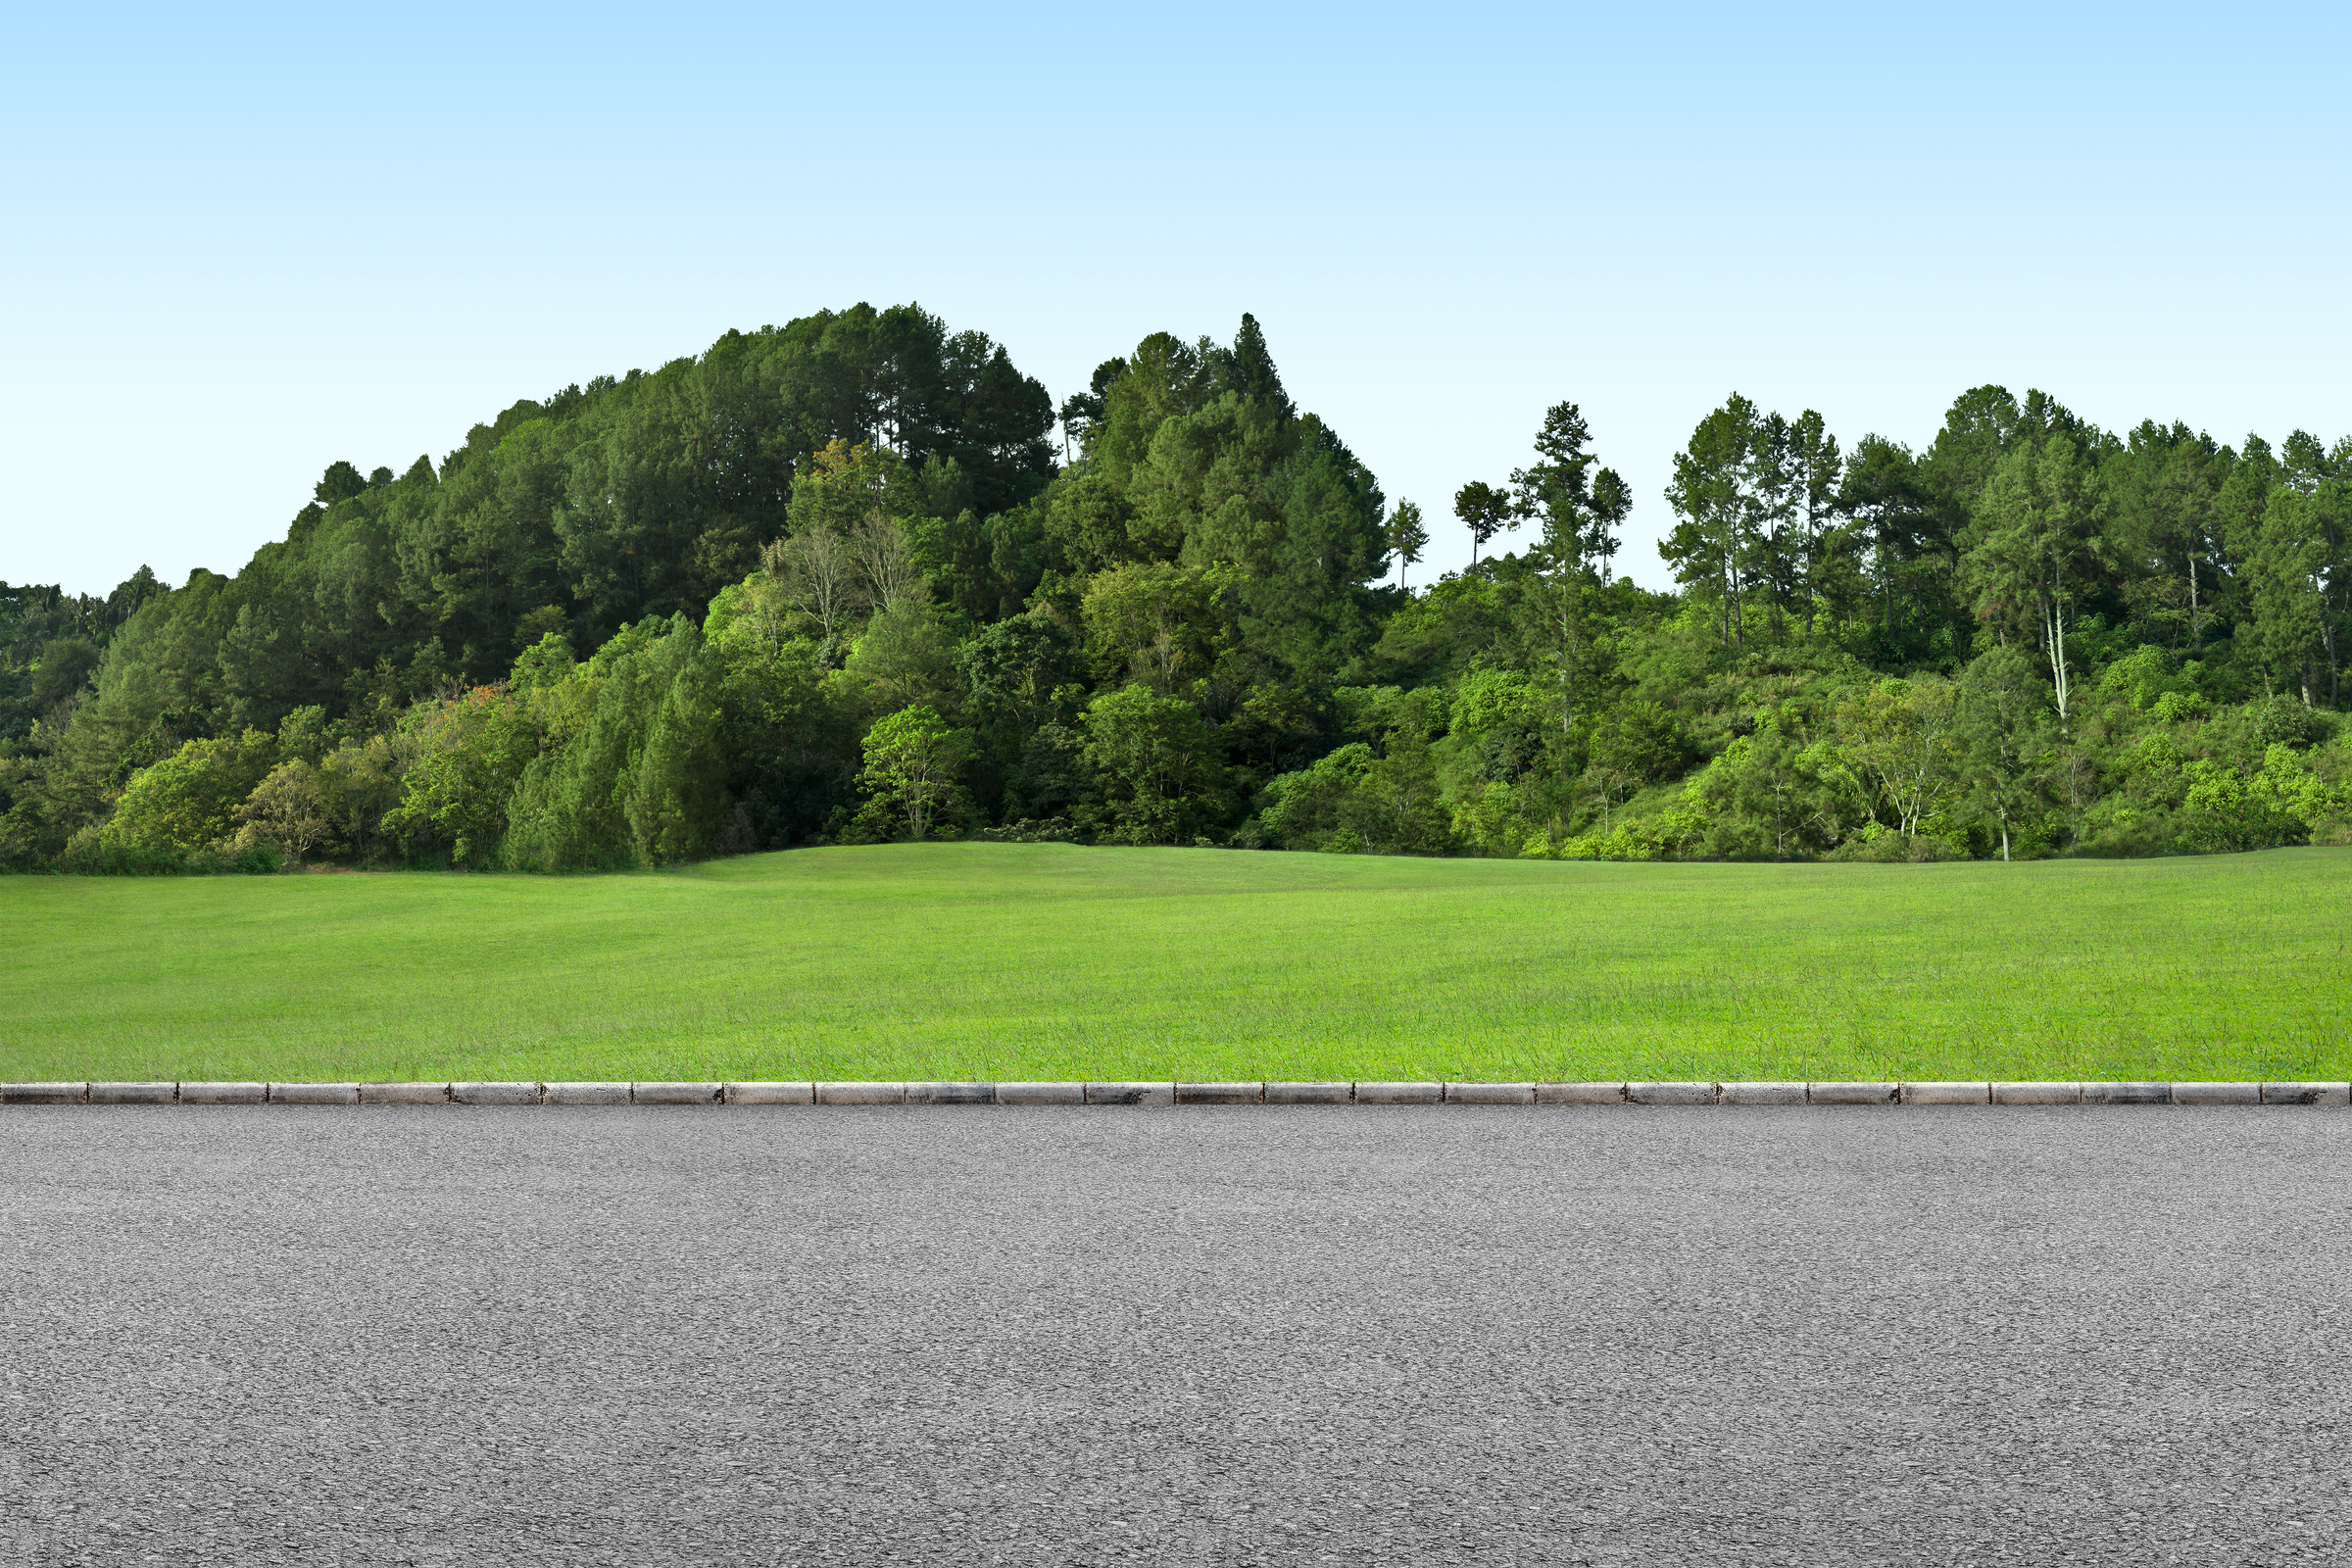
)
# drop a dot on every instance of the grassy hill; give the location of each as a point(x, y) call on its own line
point(1017, 961)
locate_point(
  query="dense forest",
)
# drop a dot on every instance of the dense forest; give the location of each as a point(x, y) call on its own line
point(858, 578)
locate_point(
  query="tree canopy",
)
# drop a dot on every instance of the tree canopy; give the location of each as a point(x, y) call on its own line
point(845, 579)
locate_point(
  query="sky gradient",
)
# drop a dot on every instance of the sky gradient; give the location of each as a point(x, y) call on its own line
point(244, 244)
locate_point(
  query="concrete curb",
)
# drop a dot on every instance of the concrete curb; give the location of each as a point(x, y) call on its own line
point(950, 1093)
point(2126, 1093)
point(2037, 1094)
point(1773, 1094)
point(1850, 1093)
point(1578, 1093)
point(223, 1094)
point(1948, 1094)
point(1489, 1093)
point(1671, 1094)
point(1310, 1094)
point(149, 1094)
point(1131, 1094)
point(2217, 1094)
point(2306, 1094)
point(404, 1093)
point(700, 1094)
point(494, 1094)
point(859, 1094)
point(1787, 1093)
point(313, 1094)
point(587, 1095)
point(771, 1093)
point(1220, 1094)
point(1040, 1093)
point(1399, 1093)
point(44, 1093)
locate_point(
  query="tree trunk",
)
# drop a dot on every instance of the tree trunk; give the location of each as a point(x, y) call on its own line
point(2054, 633)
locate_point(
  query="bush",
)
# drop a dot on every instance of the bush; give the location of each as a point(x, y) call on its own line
point(1053, 830)
point(2283, 721)
point(188, 801)
point(2229, 812)
point(1888, 847)
point(88, 854)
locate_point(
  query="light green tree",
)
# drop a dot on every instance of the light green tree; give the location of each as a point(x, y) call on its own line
point(1900, 737)
point(905, 658)
point(1156, 622)
point(190, 800)
point(2002, 735)
point(462, 756)
point(914, 767)
point(814, 573)
point(288, 808)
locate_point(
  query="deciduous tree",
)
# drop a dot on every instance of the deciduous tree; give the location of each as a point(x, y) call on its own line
point(913, 764)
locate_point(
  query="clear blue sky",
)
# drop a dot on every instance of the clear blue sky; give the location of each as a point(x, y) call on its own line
point(240, 244)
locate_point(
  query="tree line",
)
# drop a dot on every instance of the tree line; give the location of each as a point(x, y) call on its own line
point(858, 578)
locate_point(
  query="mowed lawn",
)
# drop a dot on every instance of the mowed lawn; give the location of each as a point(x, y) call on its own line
point(1048, 961)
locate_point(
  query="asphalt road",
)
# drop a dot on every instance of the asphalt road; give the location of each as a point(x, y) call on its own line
point(1193, 1336)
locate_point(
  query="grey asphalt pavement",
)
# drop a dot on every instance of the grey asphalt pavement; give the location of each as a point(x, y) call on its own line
point(1802, 1337)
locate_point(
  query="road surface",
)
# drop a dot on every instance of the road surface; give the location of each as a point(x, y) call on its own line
point(1276, 1335)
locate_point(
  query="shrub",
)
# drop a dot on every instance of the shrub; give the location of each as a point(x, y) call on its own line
point(188, 801)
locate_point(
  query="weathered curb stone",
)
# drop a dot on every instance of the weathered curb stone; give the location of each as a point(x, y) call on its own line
point(861, 1093)
point(313, 1094)
point(587, 1094)
point(681, 1094)
point(2217, 1094)
point(223, 1094)
point(2306, 1094)
point(404, 1093)
point(1040, 1093)
point(1310, 1094)
point(1773, 1094)
point(1580, 1093)
point(2126, 1093)
point(2037, 1094)
point(1131, 1094)
point(950, 1093)
point(481, 1094)
point(1220, 1094)
point(1850, 1093)
point(1948, 1094)
point(1489, 1093)
point(771, 1093)
point(133, 1094)
point(1162, 1094)
point(1670, 1094)
point(44, 1093)
point(1399, 1093)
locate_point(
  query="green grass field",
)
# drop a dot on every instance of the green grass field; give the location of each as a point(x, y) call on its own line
point(1017, 961)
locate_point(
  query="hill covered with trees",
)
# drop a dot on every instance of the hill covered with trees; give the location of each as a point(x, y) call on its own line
point(858, 578)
